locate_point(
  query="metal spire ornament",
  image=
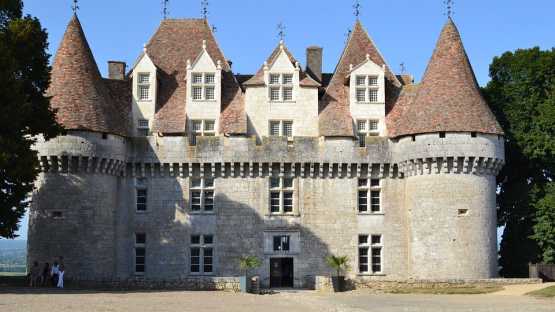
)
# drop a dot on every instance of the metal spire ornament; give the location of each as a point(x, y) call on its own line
point(204, 8)
point(449, 4)
point(281, 31)
point(357, 8)
point(348, 35)
point(403, 68)
point(75, 6)
point(165, 8)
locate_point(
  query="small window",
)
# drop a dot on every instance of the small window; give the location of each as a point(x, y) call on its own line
point(274, 128)
point(372, 81)
point(141, 199)
point(140, 253)
point(197, 78)
point(274, 79)
point(209, 79)
point(361, 95)
point(369, 196)
point(287, 94)
point(361, 80)
point(288, 129)
point(473, 134)
point(373, 96)
point(373, 125)
point(201, 128)
point(144, 93)
point(281, 128)
point(202, 195)
point(367, 89)
point(197, 93)
point(144, 78)
point(367, 128)
point(463, 212)
point(274, 94)
point(287, 79)
point(281, 195)
point(209, 93)
point(143, 127)
point(281, 243)
point(281, 87)
point(442, 135)
point(140, 238)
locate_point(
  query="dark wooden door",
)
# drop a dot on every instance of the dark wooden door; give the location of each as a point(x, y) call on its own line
point(281, 272)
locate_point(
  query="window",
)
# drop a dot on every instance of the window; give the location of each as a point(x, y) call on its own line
point(141, 194)
point(370, 254)
point(281, 87)
point(203, 86)
point(367, 89)
point(143, 86)
point(202, 194)
point(281, 243)
point(140, 253)
point(281, 195)
point(366, 128)
point(201, 128)
point(143, 127)
point(202, 254)
point(369, 196)
point(281, 128)
point(57, 215)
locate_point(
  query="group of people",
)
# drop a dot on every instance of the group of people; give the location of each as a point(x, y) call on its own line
point(48, 276)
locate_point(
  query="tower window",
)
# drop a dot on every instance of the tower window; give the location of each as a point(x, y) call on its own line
point(143, 86)
point(370, 254)
point(369, 196)
point(202, 195)
point(281, 195)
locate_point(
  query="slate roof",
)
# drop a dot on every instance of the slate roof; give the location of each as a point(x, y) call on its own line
point(258, 79)
point(175, 42)
point(335, 116)
point(448, 98)
point(83, 99)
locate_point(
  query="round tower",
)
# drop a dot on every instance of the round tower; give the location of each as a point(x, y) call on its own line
point(449, 149)
point(73, 211)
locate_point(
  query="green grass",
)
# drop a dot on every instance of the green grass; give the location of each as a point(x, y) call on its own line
point(468, 290)
point(548, 292)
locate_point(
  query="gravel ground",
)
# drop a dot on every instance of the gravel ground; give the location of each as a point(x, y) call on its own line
point(287, 301)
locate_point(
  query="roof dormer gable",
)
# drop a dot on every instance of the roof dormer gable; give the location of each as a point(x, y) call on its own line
point(204, 62)
point(366, 82)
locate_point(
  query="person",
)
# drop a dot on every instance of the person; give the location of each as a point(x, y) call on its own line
point(61, 274)
point(35, 275)
point(54, 273)
point(45, 274)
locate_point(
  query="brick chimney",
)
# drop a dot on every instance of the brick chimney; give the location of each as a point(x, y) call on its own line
point(314, 62)
point(116, 70)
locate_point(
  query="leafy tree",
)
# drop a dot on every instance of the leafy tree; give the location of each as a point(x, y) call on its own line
point(338, 263)
point(24, 110)
point(247, 263)
point(521, 93)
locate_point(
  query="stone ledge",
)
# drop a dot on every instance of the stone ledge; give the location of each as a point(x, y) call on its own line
point(201, 283)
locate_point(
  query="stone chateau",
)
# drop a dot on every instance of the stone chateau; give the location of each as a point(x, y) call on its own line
point(174, 168)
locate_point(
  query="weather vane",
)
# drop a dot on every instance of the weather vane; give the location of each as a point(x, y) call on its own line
point(214, 29)
point(75, 6)
point(165, 9)
point(204, 8)
point(403, 68)
point(281, 31)
point(449, 6)
point(357, 6)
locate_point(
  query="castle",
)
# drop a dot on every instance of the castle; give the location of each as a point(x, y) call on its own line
point(173, 170)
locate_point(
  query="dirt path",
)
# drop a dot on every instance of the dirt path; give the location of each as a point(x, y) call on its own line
point(520, 290)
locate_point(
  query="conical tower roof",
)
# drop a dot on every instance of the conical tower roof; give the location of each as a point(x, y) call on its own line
point(448, 99)
point(78, 92)
point(335, 117)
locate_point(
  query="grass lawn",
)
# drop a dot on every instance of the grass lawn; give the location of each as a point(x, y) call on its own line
point(470, 290)
point(548, 292)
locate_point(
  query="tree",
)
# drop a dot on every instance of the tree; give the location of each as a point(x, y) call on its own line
point(247, 263)
point(25, 112)
point(521, 93)
point(338, 263)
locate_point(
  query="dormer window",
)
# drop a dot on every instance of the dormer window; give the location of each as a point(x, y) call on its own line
point(201, 128)
point(366, 128)
point(367, 88)
point(281, 128)
point(143, 127)
point(203, 86)
point(281, 87)
point(143, 83)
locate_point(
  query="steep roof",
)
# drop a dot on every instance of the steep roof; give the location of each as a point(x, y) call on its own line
point(175, 42)
point(335, 117)
point(448, 98)
point(258, 79)
point(80, 95)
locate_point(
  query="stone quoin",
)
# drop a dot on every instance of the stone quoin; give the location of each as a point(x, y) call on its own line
point(171, 171)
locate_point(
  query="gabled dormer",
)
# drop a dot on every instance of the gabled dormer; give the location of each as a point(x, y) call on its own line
point(144, 76)
point(204, 94)
point(282, 78)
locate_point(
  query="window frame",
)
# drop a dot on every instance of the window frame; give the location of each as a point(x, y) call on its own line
point(202, 189)
point(141, 85)
point(367, 87)
point(202, 247)
point(193, 134)
point(282, 85)
point(141, 128)
point(282, 190)
point(139, 246)
point(368, 189)
point(367, 132)
point(282, 127)
point(203, 84)
point(140, 186)
point(369, 245)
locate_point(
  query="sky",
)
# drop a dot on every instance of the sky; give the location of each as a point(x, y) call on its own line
point(405, 31)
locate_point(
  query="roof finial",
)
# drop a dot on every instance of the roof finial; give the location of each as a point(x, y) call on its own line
point(403, 68)
point(281, 31)
point(75, 6)
point(357, 6)
point(348, 35)
point(204, 8)
point(214, 29)
point(165, 8)
point(449, 4)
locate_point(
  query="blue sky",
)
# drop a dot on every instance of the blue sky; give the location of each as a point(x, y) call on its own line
point(404, 30)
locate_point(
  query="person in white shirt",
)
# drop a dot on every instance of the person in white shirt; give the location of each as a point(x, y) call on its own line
point(61, 273)
point(54, 273)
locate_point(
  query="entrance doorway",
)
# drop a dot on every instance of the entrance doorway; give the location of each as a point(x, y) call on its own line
point(281, 272)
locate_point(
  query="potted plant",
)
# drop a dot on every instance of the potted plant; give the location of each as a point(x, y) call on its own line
point(247, 263)
point(339, 264)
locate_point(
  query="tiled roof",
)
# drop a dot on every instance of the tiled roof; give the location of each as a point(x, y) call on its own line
point(335, 116)
point(448, 98)
point(175, 42)
point(258, 78)
point(80, 95)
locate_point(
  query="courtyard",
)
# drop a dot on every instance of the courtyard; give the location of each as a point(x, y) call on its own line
point(508, 300)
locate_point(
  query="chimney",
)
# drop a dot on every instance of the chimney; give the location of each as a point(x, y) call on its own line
point(116, 70)
point(314, 62)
